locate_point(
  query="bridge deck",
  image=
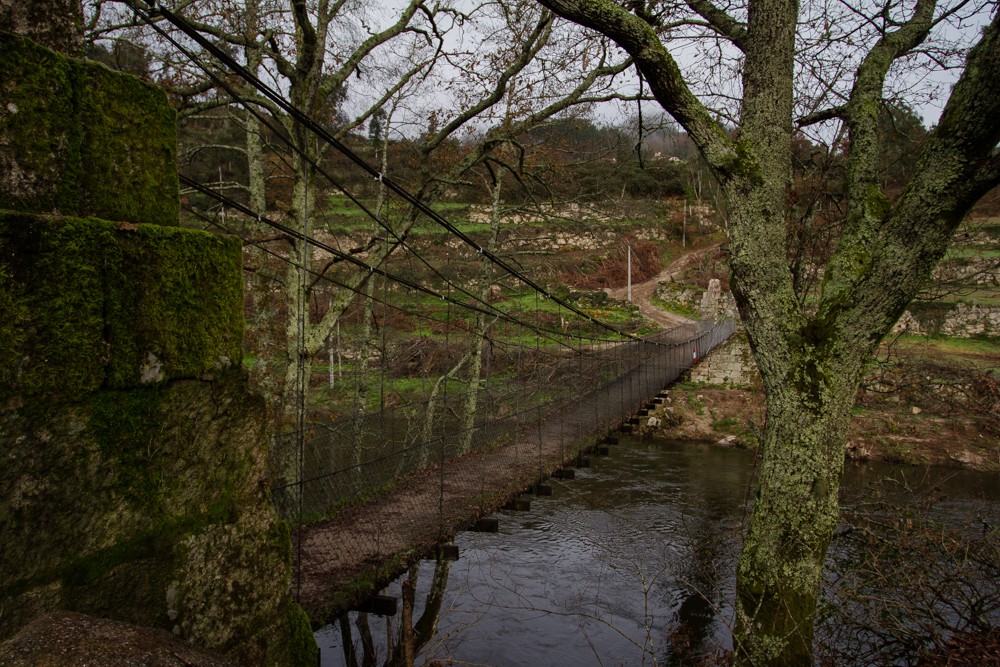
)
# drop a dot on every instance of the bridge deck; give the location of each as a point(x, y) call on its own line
point(418, 514)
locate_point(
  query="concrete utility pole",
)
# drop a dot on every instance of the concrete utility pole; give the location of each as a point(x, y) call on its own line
point(684, 227)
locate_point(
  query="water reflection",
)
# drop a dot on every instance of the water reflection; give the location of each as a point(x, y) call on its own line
point(627, 564)
point(631, 563)
point(402, 645)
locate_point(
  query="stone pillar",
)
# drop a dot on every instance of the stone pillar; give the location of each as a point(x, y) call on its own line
point(709, 308)
point(134, 480)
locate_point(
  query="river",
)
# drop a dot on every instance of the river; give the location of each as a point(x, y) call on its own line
point(632, 562)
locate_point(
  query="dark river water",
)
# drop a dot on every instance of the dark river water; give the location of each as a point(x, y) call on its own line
point(630, 563)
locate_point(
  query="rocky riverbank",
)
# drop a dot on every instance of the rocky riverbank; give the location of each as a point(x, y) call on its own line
point(885, 428)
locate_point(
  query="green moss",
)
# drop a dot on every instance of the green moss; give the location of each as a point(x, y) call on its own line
point(363, 584)
point(899, 451)
point(98, 304)
point(158, 543)
point(127, 426)
point(810, 369)
point(84, 140)
point(745, 163)
point(38, 125)
point(11, 336)
point(177, 296)
point(299, 648)
point(128, 150)
point(57, 285)
point(153, 544)
point(877, 205)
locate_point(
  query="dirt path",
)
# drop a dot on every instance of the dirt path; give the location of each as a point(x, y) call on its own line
point(642, 293)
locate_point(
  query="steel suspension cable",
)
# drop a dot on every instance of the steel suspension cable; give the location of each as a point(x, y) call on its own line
point(551, 334)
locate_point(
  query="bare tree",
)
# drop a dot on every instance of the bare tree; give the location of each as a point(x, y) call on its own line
point(801, 66)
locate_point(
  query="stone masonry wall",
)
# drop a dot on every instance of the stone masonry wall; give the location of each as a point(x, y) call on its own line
point(730, 363)
point(79, 139)
point(133, 483)
point(962, 320)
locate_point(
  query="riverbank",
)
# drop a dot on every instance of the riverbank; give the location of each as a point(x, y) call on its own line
point(909, 427)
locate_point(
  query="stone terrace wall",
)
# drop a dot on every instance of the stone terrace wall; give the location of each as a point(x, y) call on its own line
point(962, 320)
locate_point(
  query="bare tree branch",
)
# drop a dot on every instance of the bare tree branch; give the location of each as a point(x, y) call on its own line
point(662, 73)
point(721, 22)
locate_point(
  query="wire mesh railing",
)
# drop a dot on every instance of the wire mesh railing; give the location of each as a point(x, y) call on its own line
point(461, 377)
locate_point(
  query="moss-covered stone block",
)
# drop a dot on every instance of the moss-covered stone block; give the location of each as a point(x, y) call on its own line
point(134, 482)
point(92, 304)
point(148, 505)
point(183, 315)
point(79, 139)
point(58, 24)
point(128, 151)
point(39, 137)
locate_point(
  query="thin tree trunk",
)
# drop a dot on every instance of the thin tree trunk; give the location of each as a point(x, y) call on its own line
point(255, 164)
point(296, 287)
point(362, 391)
point(346, 641)
point(427, 433)
point(479, 331)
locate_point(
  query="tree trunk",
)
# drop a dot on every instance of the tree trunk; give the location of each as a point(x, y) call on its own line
point(430, 416)
point(362, 389)
point(255, 164)
point(256, 180)
point(479, 330)
point(795, 512)
point(298, 356)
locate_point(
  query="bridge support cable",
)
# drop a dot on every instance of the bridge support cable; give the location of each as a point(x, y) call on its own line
point(306, 122)
point(321, 133)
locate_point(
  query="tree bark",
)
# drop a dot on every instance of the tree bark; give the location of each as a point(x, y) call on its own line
point(479, 329)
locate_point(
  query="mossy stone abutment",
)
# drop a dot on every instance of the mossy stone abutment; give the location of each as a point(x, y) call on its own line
point(134, 455)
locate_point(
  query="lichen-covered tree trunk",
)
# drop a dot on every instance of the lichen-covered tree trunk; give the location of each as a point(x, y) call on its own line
point(299, 366)
point(257, 182)
point(363, 389)
point(810, 352)
point(431, 412)
point(796, 508)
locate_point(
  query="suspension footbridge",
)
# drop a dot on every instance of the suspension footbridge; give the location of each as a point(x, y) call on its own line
point(456, 380)
point(386, 510)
